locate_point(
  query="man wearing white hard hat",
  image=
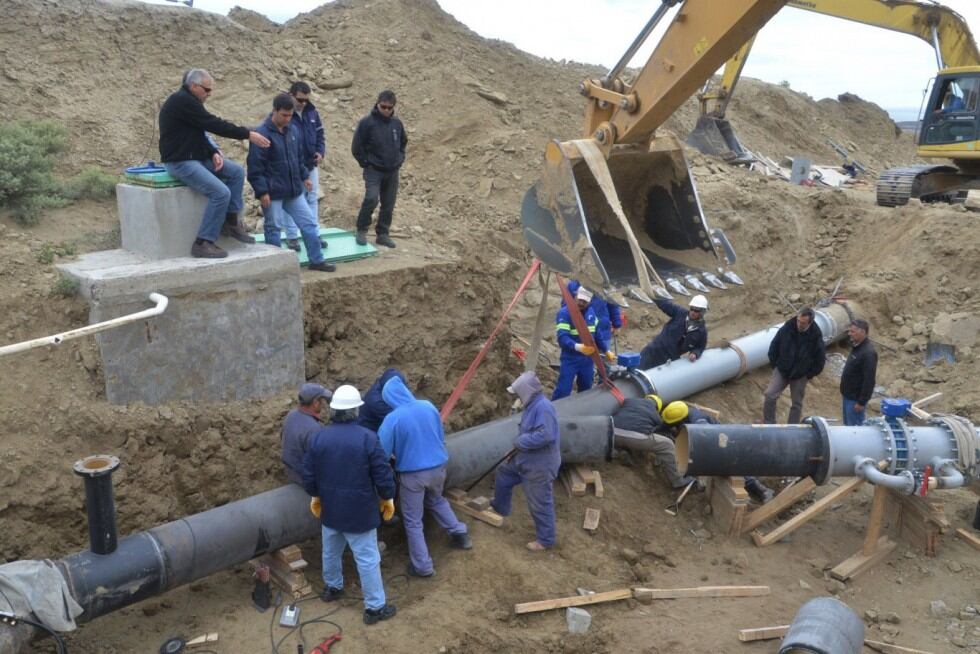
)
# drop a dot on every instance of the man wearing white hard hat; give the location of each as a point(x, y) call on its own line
point(685, 334)
point(576, 357)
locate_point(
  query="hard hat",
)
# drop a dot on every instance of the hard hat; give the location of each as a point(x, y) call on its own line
point(656, 400)
point(583, 294)
point(672, 414)
point(346, 397)
point(698, 302)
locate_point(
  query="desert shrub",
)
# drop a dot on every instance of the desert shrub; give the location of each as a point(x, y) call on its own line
point(27, 156)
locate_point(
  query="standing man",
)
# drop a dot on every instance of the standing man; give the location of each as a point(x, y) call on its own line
point(797, 355)
point(379, 147)
point(190, 156)
point(576, 357)
point(300, 425)
point(412, 433)
point(534, 463)
point(345, 467)
point(857, 382)
point(279, 179)
point(608, 313)
point(684, 335)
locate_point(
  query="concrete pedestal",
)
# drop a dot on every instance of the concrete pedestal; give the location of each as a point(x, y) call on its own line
point(233, 329)
point(159, 223)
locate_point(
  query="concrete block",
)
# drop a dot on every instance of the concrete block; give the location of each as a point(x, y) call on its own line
point(233, 329)
point(159, 223)
point(579, 620)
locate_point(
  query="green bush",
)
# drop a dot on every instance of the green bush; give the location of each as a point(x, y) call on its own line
point(65, 287)
point(92, 184)
point(27, 156)
point(48, 251)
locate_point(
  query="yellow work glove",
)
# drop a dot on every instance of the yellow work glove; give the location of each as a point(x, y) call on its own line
point(387, 508)
point(611, 356)
point(315, 506)
point(587, 350)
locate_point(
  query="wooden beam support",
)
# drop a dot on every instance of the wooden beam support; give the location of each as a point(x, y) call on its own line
point(577, 600)
point(787, 498)
point(862, 561)
point(970, 539)
point(700, 591)
point(488, 516)
point(888, 648)
point(813, 511)
point(762, 633)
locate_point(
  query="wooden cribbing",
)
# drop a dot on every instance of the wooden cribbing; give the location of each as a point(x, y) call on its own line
point(811, 512)
point(787, 498)
point(700, 591)
point(762, 633)
point(577, 600)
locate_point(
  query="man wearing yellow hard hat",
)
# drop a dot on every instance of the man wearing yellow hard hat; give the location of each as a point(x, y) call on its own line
point(641, 415)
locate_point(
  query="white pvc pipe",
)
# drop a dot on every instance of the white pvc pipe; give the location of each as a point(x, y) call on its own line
point(158, 299)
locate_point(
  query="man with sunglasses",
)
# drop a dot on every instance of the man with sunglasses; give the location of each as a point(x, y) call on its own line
point(189, 155)
point(685, 334)
point(379, 147)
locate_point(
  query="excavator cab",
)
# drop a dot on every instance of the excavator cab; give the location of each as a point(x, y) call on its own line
point(952, 116)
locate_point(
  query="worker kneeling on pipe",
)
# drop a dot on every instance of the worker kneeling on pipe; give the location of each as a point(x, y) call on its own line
point(680, 413)
point(346, 467)
point(684, 335)
point(576, 357)
point(412, 433)
point(642, 416)
point(535, 462)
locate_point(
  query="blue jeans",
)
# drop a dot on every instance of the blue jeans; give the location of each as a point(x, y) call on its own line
point(223, 189)
point(286, 222)
point(365, 549)
point(379, 186)
point(300, 211)
point(421, 491)
point(852, 417)
point(538, 491)
point(577, 367)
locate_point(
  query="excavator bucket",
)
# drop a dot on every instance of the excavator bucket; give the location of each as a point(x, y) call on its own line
point(570, 225)
point(716, 137)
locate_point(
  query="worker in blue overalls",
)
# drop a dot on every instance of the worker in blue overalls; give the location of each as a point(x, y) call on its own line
point(576, 357)
point(609, 313)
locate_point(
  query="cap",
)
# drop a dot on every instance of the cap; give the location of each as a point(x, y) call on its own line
point(583, 294)
point(310, 392)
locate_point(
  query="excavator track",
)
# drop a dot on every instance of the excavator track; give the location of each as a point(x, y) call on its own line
point(894, 186)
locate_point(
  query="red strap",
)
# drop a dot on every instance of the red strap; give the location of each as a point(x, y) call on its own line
point(585, 337)
point(447, 408)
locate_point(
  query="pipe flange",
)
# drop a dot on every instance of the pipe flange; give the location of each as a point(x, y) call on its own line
point(97, 465)
point(821, 472)
point(889, 436)
point(644, 382)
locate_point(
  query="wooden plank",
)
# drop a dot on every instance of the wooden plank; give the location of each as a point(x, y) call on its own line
point(919, 413)
point(928, 399)
point(600, 490)
point(786, 498)
point(968, 538)
point(860, 562)
point(206, 638)
point(288, 554)
point(576, 484)
point(701, 591)
point(585, 472)
point(887, 648)
point(762, 633)
point(874, 521)
point(591, 521)
point(577, 600)
point(812, 511)
point(455, 494)
point(489, 516)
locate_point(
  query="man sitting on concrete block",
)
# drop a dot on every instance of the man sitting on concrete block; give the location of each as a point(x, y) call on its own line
point(189, 155)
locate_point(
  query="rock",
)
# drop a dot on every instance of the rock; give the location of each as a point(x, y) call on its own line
point(809, 269)
point(871, 616)
point(805, 586)
point(493, 96)
point(893, 618)
point(655, 550)
point(954, 566)
point(919, 328)
point(641, 572)
point(630, 556)
point(336, 83)
point(898, 320)
point(794, 297)
point(578, 620)
point(905, 333)
point(966, 615)
point(938, 609)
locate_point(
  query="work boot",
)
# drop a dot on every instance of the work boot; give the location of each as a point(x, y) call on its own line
point(385, 240)
point(361, 238)
point(759, 491)
point(234, 228)
point(331, 594)
point(293, 244)
point(207, 250)
point(461, 541)
point(372, 616)
point(535, 546)
point(411, 571)
point(323, 266)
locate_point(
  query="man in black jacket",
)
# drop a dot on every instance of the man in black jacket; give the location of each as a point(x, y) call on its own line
point(857, 382)
point(797, 355)
point(191, 156)
point(379, 147)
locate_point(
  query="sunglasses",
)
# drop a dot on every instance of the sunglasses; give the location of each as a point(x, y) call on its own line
point(386, 107)
point(206, 89)
point(302, 100)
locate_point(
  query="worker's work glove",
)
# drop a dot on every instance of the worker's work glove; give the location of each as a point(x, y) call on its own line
point(587, 350)
point(611, 356)
point(387, 508)
point(315, 506)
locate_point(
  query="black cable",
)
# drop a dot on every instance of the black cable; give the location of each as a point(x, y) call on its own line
point(12, 620)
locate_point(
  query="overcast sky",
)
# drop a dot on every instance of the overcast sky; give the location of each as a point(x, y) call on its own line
point(816, 54)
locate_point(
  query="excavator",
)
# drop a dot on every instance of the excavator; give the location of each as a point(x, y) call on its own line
point(948, 123)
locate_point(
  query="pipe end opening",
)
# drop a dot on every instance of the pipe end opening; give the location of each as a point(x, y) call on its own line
point(681, 450)
point(96, 465)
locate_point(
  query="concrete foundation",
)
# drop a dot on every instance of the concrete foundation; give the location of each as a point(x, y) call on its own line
point(233, 329)
point(159, 223)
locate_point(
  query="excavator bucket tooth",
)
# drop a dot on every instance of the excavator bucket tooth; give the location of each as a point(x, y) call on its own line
point(715, 136)
point(675, 285)
point(696, 283)
point(731, 277)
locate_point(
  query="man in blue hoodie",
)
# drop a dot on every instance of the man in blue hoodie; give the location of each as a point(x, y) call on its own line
point(535, 463)
point(412, 433)
point(280, 180)
point(576, 357)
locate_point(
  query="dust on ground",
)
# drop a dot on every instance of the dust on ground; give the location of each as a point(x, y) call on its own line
point(478, 114)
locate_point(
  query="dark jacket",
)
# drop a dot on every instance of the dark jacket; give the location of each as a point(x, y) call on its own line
point(311, 127)
point(278, 169)
point(857, 382)
point(679, 336)
point(297, 430)
point(638, 414)
point(346, 468)
point(797, 354)
point(538, 442)
point(374, 410)
point(183, 123)
point(379, 142)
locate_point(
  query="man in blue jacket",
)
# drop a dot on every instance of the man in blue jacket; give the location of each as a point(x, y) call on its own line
point(576, 357)
point(379, 147)
point(375, 408)
point(300, 426)
point(535, 463)
point(609, 313)
point(412, 433)
point(684, 335)
point(346, 469)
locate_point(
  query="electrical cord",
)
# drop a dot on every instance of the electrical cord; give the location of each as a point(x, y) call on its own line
point(12, 620)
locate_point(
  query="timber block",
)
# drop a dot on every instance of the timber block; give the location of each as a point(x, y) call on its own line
point(921, 522)
point(289, 579)
point(462, 502)
point(729, 504)
point(479, 503)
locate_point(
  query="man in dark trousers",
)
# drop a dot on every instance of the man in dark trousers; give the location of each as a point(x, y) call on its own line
point(346, 469)
point(796, 355)
point(379, 147)
point(641, 415)
point(857, 382)
point(189, 155)
point(534, 464)
point(300, 425)
point(684, 335)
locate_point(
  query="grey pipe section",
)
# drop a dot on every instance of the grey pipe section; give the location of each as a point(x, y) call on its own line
point(947, 474)
point(866, 468)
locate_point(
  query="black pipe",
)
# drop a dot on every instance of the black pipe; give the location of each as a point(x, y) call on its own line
point(100, 504)
point(764, 450)
point(976, 517)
